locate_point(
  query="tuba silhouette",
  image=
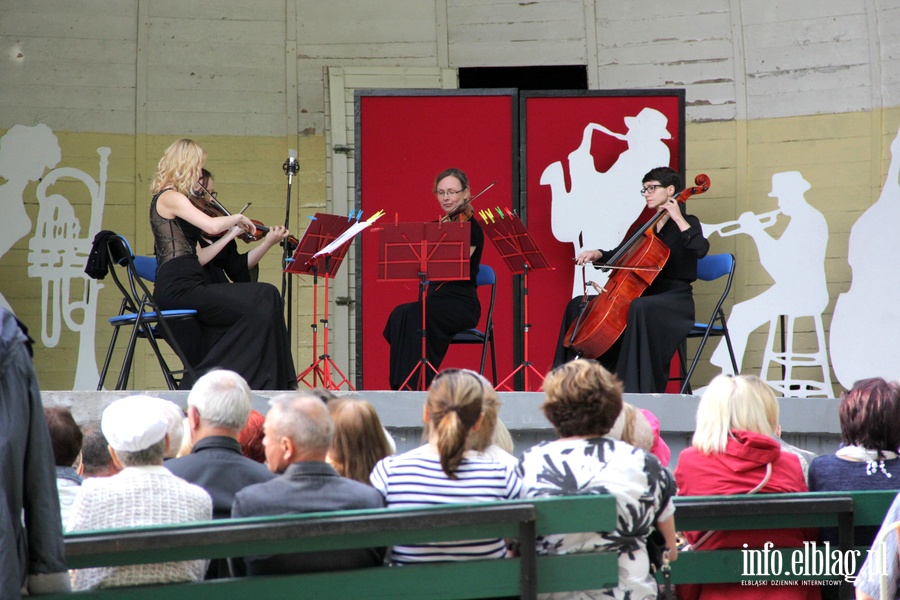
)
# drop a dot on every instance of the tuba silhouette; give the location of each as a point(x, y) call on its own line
point(57, 253)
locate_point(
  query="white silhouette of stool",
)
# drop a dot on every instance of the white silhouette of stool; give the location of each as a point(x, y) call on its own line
point(788, 360)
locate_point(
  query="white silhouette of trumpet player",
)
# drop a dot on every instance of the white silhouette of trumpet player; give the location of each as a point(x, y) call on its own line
point(795, 261)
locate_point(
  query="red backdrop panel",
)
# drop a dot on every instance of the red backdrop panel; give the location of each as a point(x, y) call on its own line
point(403, 142)
point(552, 127)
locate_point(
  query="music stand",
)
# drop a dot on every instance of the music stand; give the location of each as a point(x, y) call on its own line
point(424, 252)
point(324, 229)
point(520, 253)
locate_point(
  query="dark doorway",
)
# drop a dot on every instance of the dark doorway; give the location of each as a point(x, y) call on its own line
point(562, 77)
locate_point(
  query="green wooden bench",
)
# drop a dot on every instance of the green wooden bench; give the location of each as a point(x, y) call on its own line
point(842, 510)
point(524, 576)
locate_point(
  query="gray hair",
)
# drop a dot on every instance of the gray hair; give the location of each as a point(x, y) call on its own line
point(174, 425)
point(146, 457)
point(223, 399)
point(303, 418)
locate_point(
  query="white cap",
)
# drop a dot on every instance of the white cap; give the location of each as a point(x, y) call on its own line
point(134, 423)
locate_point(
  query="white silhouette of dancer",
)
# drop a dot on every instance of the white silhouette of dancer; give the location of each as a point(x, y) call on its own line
point(25, 153)
point(600, 207)
point(795, 261)
point(866, 324)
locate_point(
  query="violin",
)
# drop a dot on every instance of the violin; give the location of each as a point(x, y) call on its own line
point(213, 208)
point(461, 214)
point(637, 264)
point(465, 211)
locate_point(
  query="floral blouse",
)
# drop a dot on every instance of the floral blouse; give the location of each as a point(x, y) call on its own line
point(643, 489)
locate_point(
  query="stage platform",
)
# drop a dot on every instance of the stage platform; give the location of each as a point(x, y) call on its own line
point(809, 423)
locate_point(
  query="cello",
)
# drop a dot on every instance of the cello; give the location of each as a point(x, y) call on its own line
point(636, 265)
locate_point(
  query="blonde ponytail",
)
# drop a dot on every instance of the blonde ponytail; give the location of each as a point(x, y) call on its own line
point(454, 406)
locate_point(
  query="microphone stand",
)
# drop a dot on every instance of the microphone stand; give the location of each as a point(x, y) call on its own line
point(291, 167)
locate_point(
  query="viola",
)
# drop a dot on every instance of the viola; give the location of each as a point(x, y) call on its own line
point(636, 265)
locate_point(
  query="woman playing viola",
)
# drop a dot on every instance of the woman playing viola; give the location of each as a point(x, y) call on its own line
point(451, 306)
point(660, 319)
point(241, 325)
point(229, 264)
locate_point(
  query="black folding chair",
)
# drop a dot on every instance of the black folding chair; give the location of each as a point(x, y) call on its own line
point(139, 312)
point(710, 268)
point(485, 276)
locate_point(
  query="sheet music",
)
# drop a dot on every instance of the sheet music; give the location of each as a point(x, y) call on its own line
point(348, 235)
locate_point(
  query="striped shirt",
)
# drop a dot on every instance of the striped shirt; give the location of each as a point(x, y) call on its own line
point(416, 479)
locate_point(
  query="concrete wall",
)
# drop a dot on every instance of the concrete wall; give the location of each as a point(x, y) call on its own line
point(811, 424)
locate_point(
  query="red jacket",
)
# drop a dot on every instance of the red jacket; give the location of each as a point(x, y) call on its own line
point(737, 471)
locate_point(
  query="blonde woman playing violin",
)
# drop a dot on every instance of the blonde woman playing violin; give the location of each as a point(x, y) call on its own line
point(240, 326)
point(450, 306)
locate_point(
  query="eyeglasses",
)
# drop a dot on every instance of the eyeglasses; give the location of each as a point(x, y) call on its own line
point(448, 193)
point(649, 189)
point(199, 193)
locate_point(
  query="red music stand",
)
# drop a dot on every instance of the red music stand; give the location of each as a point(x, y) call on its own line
point(424, 252)
point(308, 259)
point(520, 253)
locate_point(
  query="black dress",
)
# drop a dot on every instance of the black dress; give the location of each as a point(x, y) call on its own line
point(450, 307)
point(240, 326)
point(228, 265)
point(658, 321)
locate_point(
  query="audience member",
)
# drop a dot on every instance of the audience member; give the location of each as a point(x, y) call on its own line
point(143, 493)
point(218, 407)
point(359, 439)
point(95, 456)
point(186, 444)
point(32, 556)
point(444, 472)
point(659, 448)
point(174, 426)
point(298, 435)
point(632, 427)
point(867, 460)
point(583, 402)
point(868, 580)
point(251, 437)
point(734, 452)
point(492, 438)
point(67, 439)
point(760, 388)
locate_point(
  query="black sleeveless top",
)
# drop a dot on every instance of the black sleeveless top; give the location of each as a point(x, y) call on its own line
point(172, 237)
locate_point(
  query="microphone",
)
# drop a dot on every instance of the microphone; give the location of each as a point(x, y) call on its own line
point(291, 166)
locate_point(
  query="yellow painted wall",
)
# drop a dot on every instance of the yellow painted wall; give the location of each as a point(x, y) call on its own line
point(247, 169)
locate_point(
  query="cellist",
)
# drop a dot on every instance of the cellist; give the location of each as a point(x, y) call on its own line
point(661, 318)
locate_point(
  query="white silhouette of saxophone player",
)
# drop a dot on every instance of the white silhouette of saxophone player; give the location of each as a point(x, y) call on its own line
point(600, 207)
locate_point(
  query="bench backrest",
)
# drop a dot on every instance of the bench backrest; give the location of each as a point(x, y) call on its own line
point(842, 510)
point(524, 576)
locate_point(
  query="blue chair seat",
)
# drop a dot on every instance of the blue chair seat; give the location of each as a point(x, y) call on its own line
point(167, 314)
